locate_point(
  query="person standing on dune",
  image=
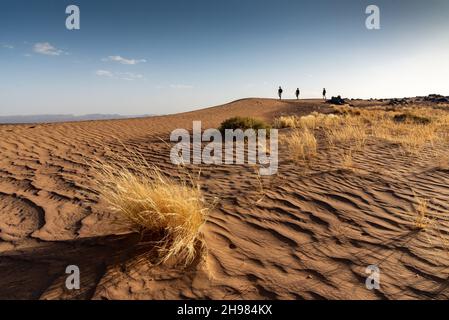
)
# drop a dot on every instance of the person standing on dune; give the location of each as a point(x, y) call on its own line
point(297, 93)
point(324, 94)
point(280, 93)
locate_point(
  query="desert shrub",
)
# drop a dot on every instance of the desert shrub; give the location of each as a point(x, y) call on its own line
point(244, 123)
point(411, 118)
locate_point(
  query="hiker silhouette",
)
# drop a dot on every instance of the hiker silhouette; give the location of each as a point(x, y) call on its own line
point(297, 93)
point(324, 93)
point(280, 93)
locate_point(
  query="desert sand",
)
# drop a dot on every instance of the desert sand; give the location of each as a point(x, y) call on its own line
point(306, 233)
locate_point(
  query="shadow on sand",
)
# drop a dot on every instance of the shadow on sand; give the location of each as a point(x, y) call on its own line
point(40, 272)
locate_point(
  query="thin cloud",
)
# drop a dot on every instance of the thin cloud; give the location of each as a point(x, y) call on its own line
point(122, 60)
point(128, 76)
point(46, 48)
point(7, 46)
point(104, 73)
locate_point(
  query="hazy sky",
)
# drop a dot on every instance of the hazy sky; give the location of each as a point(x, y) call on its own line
point(166, 56)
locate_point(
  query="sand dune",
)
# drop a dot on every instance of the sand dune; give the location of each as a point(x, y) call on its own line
point(310, 235)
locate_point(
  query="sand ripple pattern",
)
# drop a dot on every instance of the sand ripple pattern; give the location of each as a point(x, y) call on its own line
point(304, 234)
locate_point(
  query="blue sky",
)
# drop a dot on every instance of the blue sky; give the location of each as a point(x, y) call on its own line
point(159, 57)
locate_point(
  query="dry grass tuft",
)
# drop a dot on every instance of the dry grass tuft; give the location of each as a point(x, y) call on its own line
point(318, 120)
point(347, 133)
point(155, 203)
point(302, 145)
point(422, 220)
point(312, 121)
point(285, 122)
point(411, 137)
point(347, 160)
point(345, 110)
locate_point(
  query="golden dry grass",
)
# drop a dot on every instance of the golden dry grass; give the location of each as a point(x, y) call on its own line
point(302, 145)
point(425, 220)
point(411, 129)
point(285, 122)
point(345, 110)
point(155, 203)
point(347, 133)
point(320, 121)
point(422, 127)
point(312, 121)
point(411, 137)
point(347, 160)
point(422, 219)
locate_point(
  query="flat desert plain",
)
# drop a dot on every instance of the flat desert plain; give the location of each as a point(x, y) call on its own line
point(357, 186)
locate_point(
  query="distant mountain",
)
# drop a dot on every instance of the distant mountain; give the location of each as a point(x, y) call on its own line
point(52, 118)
